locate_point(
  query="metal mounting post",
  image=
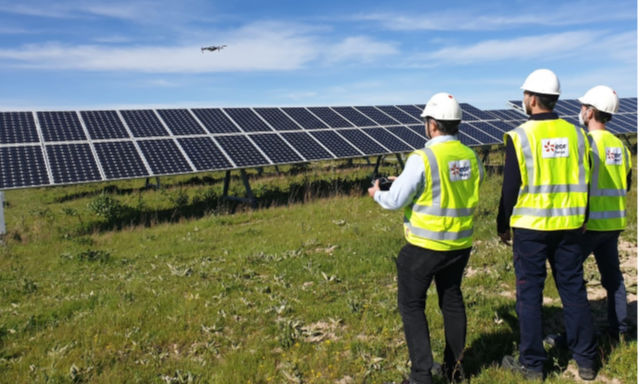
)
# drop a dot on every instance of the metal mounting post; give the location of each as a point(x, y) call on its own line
point(250, 197)
point(375, 170)
point(148, 184)
point(3, 227)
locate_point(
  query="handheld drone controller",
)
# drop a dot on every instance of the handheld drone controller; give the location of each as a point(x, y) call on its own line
point(384, 183)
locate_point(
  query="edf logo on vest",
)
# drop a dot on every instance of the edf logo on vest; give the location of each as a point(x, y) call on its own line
point(459, 170)
point(613, 156)
point(558, 147)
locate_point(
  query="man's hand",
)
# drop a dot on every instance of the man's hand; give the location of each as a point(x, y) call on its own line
point(505, 237)
point(376, 187)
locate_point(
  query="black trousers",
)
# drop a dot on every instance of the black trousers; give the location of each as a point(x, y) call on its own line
point(417, 267)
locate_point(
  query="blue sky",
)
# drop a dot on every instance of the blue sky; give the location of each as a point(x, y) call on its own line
point(146, 53)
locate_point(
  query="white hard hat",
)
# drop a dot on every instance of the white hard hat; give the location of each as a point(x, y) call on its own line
point(442, 106)
point(542, 81)
point(603, 98)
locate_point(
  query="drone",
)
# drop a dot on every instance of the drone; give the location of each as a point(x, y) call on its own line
point(212, 48)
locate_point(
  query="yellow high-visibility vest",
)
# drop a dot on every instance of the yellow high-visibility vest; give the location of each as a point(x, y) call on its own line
point(610, 162)
point(554, 171)
point(441, 218)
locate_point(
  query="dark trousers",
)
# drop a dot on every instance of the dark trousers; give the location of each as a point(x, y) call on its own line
point(531, 250)
point(604, 246)
point(416, 268)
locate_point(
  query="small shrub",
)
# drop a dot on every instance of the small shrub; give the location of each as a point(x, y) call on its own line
point(106, 206)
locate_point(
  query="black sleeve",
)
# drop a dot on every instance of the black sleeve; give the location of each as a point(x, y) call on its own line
point(510, 187)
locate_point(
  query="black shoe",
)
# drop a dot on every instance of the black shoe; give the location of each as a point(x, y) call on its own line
point(587, 373)
point(511, 364)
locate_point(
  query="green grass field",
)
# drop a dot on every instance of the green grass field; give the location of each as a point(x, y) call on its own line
point(114, 283)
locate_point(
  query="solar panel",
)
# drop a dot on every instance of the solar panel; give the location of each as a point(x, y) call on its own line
point(144, 123)
point(628, 105)
point(305, 118)
point(328, 116)
point(22, 167)
point(72, 163)
point(399, 114)
point(307, 146)
point(17, 127)
point(339, 146)
point(616, 128)
point(204, 153)
point(363, 142)
point(164, 157)
point(241, 151)
point(414, 140)
point(470, 131)
point(275, 148)
point(473, 113)
point(565, 110)
point(61, 126)
point(277, 119)
point(247, 120)
point(387, 139)
point(180, 122)
point(120, 160)
point(376, 115)
point(215, 120)
point(419, 130)
point(491, 133)
point(104, 125)
point(357, 118)
point(412, 110)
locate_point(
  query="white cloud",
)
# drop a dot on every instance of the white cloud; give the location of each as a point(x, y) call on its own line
point(358, 48)
point(486, 17)
point(548, 47)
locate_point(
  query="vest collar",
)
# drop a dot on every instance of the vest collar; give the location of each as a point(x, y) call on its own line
point(441, 139)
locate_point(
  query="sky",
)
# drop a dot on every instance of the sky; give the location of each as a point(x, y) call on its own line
point(65, 54)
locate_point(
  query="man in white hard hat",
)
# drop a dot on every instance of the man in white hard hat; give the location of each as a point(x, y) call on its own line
point(544, 201)
point(610, 181)
point(438, 190)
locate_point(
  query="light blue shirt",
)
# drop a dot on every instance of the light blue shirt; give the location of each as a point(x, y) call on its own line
point(410, 183)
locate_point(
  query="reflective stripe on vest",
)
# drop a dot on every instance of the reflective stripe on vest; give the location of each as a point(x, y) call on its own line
point(432, 235)
point(607, 204)
point(548, 200)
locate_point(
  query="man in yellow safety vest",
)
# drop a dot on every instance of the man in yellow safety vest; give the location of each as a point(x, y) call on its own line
point(610, 181)
point(438, 190)
point(544, 201)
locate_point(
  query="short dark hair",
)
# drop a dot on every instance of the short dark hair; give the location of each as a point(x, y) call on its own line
point(448, 127)
point(547, 102)
point(602, 117)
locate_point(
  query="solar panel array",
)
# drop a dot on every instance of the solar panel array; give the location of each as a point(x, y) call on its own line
point(67, 147)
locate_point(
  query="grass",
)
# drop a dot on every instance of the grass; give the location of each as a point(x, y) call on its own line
point(117, 283)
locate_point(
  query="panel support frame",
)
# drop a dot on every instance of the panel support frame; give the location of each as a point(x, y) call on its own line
point(250, 197)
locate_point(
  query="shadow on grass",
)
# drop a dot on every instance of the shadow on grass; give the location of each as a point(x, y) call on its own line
point(489, 349)
point(213, 202)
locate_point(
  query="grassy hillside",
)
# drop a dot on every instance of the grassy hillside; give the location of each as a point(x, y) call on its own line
point(117, 283)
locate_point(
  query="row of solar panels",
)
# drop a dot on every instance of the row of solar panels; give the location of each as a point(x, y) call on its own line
point(54, 148)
